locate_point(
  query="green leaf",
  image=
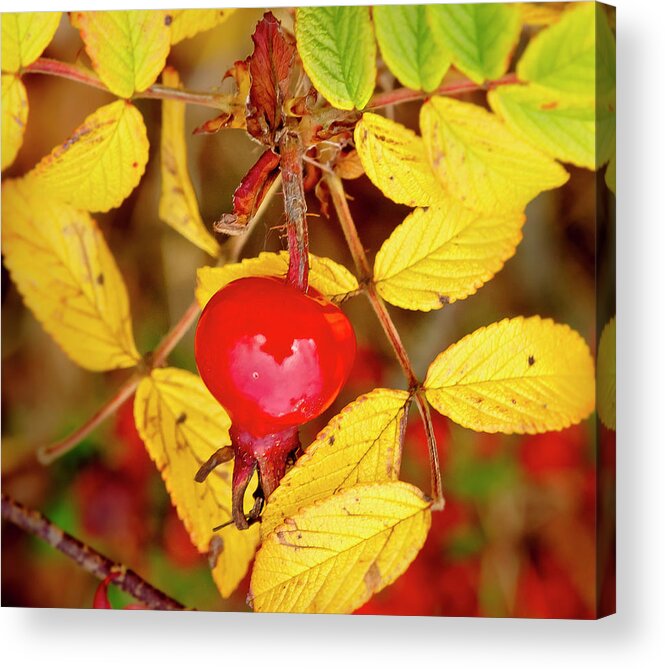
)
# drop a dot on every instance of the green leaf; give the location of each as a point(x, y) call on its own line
point(562, 128)
point(563, 56)
point(338, 52)
point(480, 38)
point(408, 46)
point(611, 175)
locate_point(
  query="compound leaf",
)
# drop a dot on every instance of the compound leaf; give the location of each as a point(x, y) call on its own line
point(362, 444)
point(562, 128)
point(395, 160)
point(521, 375)
point(443, 254)
point(178, 206)
point(186, 23)
point(408, 46)
point(14, 116)
point(62, 266)
point(25, 36)
point(182, 425)
point(128, 48)
point(480, 161)
point(329, 278)
point(607, 375)
point(331, 557)
point(101, 163)
point(479, 37)
point(338, 52)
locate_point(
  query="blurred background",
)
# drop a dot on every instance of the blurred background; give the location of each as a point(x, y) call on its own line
point(519, 534)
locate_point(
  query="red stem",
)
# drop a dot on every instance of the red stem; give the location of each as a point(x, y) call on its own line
point(295, 208)
point(156, 91)
point(455, 88)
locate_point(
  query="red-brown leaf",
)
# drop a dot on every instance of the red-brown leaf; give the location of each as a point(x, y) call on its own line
point(270, 68)
point(250, 193)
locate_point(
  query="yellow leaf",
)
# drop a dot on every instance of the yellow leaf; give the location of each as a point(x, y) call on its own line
point(521, 375)
point(395, 160)
point(128, 49)
point(333, 556)
point(443, 254)
point(362, 444)
point(607, 375)
point(329, 278)
point(101, 163)
point(177, 203)
point(186, 23)
point(25, 36)
point(480, 161)
point(14, 116)
point(68, 278)
point(182, 425)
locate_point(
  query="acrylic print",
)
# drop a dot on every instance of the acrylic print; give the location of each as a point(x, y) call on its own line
point(310, 310)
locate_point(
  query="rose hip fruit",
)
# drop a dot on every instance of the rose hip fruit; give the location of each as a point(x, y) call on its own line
point(275, 358)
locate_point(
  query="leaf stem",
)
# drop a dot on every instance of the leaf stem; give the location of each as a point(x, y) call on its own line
point(156, 91)
point(47, 454)
point(86, 557)
point(400, 95)
point(364, 270)
point(295, 208)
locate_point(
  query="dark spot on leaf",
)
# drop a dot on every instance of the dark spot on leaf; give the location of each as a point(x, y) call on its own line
point(181, 418)
point(100, 279)
point(331, 441)
point(391, 177)
point(514, 401)
point(531, 360)
point(549, 105)
point(135, 164)
point(444, 299)
point(168, 20)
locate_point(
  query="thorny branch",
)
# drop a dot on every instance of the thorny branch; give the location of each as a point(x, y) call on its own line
point(364, 270)
point(87, 558)
point(156, 91)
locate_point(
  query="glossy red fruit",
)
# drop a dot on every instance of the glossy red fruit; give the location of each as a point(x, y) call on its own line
point(275, 358)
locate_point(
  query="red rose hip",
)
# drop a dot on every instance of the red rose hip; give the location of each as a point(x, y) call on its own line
point(274, 357)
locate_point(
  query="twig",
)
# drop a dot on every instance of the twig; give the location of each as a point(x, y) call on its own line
point(455, 88)
point(156, 91)
point(295, 208)
point(364, 269)
point(89, 559)
point(47, 454)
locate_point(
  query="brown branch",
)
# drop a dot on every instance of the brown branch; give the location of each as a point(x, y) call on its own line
point(87, 558)
point(364, 269)
point(156, 91)
point(295, 208)
point(400, 95)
